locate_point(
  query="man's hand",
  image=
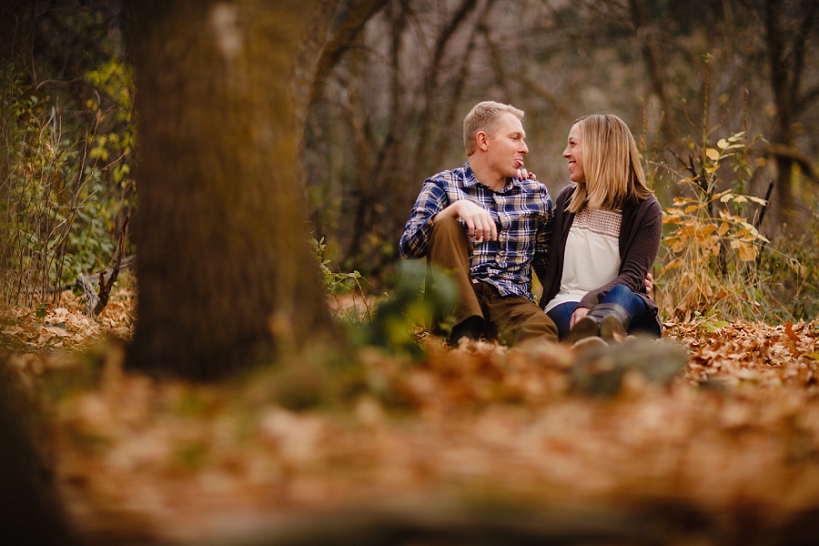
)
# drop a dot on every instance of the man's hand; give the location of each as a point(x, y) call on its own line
point(649, 285)
point(479, 223)
point(578, 314)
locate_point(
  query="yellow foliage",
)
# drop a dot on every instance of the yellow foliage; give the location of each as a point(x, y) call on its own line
point(747, 252)
point(708, 252)
point(703, 232)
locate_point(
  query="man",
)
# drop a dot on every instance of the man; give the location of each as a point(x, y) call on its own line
point(487, 227)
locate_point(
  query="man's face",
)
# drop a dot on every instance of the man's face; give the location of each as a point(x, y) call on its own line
point(507, 146)
point(574, 154)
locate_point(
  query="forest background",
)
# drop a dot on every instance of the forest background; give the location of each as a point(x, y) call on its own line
point(366, 99)
point(384, 111)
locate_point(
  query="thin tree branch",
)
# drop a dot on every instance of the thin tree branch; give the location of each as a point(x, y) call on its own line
point(341, 40)
point(799, 157)
point(431, 79)
point(807, 99)
point(106, 282)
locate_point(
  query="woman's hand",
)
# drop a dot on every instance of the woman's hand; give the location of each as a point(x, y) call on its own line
point(523, 174)
point(578, 314)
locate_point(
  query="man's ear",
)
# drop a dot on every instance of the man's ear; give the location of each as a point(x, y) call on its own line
point(482, 141)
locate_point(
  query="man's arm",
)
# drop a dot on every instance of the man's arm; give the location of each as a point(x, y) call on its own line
point(433, 203)
point(479, 223)
point(414, 240)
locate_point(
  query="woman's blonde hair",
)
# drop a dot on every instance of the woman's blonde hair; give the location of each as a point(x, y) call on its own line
point(611, 164)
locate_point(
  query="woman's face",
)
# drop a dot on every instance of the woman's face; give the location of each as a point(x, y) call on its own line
point(574, 154)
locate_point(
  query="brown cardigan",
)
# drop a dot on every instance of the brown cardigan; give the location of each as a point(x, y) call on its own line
point(640, 233)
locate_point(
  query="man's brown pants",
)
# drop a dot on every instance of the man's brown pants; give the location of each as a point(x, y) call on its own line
point(511, 319)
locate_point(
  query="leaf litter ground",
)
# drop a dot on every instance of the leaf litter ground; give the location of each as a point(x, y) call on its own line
point(734, 437)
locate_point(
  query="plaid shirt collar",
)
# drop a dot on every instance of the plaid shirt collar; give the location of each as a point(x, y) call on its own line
point(471, 180)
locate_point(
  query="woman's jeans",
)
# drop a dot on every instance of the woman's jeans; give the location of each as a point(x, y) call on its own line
point(642, 321)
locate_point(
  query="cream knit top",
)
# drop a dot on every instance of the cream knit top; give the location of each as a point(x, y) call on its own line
point(592, 256)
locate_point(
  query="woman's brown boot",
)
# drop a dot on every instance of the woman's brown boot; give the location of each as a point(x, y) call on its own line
point(607, 320)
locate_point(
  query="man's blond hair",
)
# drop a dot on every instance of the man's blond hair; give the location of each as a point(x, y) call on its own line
point(611, 163)
point(484, 116)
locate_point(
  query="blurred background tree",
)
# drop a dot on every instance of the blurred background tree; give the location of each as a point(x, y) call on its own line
point(388, 113)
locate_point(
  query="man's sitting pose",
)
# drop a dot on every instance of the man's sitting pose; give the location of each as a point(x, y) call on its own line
point(487, 228)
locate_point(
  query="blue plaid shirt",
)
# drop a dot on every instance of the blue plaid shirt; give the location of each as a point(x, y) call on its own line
point(522, 211)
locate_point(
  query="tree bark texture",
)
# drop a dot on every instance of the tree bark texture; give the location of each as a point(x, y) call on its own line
point(226, 277)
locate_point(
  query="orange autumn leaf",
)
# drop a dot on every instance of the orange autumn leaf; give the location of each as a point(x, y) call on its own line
point(789, 331)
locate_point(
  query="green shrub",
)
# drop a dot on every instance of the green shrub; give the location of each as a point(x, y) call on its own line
point(351, 302)
point(64, 182)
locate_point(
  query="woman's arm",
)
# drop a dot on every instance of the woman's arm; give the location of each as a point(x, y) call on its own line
point(639, 254)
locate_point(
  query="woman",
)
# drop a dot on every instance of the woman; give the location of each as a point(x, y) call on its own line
point(605, 237)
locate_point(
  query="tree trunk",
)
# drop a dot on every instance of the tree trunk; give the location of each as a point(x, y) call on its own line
point(226, 277)
point(787, 29)
point(780, 76)
point(653, 64)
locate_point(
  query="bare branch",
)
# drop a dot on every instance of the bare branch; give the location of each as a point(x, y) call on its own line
point(801, 159)
point(808, 98)
point(107, 282)
point(534, 86)
point(431, 79)
point(341, 40)
point(496, 61)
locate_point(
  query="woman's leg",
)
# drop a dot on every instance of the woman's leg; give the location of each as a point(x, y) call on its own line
point(642, 321)
point(562, 316)
point(626, 299)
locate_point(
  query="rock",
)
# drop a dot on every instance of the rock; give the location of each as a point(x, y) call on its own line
point(599, 368)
